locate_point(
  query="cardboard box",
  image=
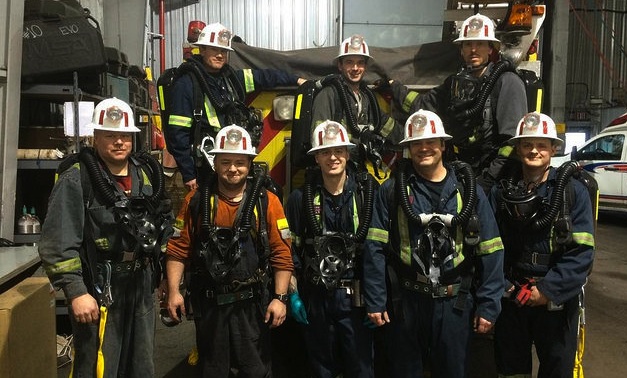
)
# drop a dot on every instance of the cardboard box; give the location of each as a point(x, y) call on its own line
point(27, 330)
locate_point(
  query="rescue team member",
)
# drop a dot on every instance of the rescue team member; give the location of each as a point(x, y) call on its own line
point(231, 229)
point(102, 235)
point(350, 102)
point(479, 130)
point(224, 102)
point(435, 246)
point(328, 219)
point(546, 263)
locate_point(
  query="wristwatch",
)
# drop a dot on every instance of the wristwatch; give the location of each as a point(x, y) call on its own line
point(282, 297)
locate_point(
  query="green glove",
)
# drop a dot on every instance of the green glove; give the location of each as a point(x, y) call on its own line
point(298, 308)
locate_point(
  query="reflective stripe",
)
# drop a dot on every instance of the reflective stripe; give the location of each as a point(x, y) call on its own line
point(249, 80)
point(378, 235)
point(161, 99)
point(299, 104)
point(404, 238)
point(316, 202)
point(179, 223)
point(388, 127)
point(176, 120)
point(487, 247)
point(67, 266)
point(506, 151)
point(212, 115)
point(584, 238)
point(282, 224)
point(409, 99)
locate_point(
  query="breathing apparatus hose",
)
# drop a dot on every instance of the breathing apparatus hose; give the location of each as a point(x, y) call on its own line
point(366, 207)
point(308, 194)
point(464, 173)
point(189, 67)
point(499, 68)
point(564, 172)
point(365, 217)
point(102, 186)
point(245, 221)
point(351, 119)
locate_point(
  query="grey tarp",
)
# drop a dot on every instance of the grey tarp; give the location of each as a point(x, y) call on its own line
point(425, 65)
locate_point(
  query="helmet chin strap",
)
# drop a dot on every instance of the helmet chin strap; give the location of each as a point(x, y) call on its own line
point(478, 68)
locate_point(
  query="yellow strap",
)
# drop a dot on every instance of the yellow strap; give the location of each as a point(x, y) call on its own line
point(100, 364)
point(578, 370)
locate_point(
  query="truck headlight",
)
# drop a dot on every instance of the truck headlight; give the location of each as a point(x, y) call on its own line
point(283, 107)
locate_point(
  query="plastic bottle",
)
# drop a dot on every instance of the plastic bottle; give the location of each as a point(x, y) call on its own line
point(35, 220)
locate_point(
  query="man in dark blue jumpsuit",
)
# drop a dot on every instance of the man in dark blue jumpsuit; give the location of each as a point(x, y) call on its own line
point(440, 285)
point(545, 265)
point(224, 102)
point(326, 219)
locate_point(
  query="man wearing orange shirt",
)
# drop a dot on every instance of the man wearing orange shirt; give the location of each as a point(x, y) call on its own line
point(234, 239)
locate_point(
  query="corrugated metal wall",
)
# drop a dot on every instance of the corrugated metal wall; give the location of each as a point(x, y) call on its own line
point(273, 24)
point(596, 57)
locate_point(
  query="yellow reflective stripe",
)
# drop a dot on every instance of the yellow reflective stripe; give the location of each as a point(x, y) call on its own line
point(388, 127)
point(299, 104)
point(405, 244)
point(179, 223)
point(161, 100)
point(282, 224)
point(212, 115)
point(539, 100)
point(584, 238)
point(67, 266)
point(181, 121)
point(146, 179)
point(409, 99)
point(249, 80)
point(100, 364)
point(506, 151)
point(490, 246)
point(377, 234)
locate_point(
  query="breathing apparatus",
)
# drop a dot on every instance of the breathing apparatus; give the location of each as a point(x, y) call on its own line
point(334, 252)
point(220, 246)
point(371, 144)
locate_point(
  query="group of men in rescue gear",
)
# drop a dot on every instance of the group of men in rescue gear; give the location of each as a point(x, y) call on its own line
point(196, 113)
point(421, 256)
point(106, 225)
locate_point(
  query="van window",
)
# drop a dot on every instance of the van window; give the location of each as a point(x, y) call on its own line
point(609, 147)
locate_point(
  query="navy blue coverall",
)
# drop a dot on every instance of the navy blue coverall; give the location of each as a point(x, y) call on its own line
point(225, 88)
point(425, 330)
point(560, 278)
point(337, 340)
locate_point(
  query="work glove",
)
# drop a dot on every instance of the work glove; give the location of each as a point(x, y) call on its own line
point(522, 293)
point(298, 308)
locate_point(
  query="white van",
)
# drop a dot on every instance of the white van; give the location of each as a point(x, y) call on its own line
point(605, 158)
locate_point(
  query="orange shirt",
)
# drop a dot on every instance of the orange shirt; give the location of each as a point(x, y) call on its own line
point(278, 230)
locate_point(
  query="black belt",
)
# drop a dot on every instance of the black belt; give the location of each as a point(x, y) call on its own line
point(535, 258)
point(228, 298)
point(129, 266)
point(436, 291)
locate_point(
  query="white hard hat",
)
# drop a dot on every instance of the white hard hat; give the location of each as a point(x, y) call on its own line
point(537, 125)
point(423, 124)
point(113, 114)
point(329, 134)
point(478, 28)
point(216, 35)
point(233, 139)
point(354, 45)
